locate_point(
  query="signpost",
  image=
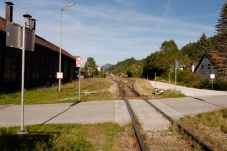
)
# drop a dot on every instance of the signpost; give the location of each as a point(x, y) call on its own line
point(175, 68)
point(59, 75)
point(212, 77)
point(21, 37)
point(79, 64)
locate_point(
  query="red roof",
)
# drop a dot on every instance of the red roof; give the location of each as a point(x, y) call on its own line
point(217, 60)
point(38, 40)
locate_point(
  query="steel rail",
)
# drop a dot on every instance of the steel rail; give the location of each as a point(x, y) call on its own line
point(132, 116)
point(196, 139)
point(138, 137)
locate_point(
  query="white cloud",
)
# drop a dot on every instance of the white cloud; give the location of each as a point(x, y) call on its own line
point(107, 33)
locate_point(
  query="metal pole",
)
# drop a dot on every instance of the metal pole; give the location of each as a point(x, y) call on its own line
point(22, 79)
point(175, 79)
point(59, 87)
point(155, 79)
point(212, 82)
point(103, 71)
point(79, 83)
point(169, 78)
point(64, 8)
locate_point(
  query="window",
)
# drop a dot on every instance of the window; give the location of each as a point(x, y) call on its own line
point(36, 65)
point(10, 65)
point(202, 67)
point(208, 66)
point(71, 70)
point(56, 66)
point(65, 69)
point(51, 67)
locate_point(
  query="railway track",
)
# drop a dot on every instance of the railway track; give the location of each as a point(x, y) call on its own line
point(128, 92)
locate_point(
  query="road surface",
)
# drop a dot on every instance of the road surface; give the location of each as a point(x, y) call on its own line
point(115, 111)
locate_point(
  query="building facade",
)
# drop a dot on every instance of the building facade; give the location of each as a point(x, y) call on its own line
point(211, 63)
point(40, 66)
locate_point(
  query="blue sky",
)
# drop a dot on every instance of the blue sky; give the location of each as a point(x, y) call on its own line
point(114, 30)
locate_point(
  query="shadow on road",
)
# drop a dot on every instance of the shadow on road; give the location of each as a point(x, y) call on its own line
point(206, 101)
point(62, 111)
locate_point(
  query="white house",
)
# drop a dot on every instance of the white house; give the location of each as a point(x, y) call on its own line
point(210, 63)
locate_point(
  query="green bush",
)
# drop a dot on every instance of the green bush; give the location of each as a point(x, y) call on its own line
point(204, 84)
point(190, 79)
point(220, 85)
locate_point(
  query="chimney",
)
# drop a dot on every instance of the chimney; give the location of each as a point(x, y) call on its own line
point(32, 23)
point(9, 11)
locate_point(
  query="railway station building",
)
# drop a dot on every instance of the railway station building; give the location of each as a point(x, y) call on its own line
point(41, 65)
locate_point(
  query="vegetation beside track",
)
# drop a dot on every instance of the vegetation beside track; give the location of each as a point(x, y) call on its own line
point(210, 127)
point(103, 136)
point(90, 90)
point(144, 88)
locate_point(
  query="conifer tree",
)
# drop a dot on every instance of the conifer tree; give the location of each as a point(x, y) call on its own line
point(221, 28)
point(221, 38)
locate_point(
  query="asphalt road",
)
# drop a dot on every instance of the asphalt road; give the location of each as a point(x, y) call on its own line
point(115, 111)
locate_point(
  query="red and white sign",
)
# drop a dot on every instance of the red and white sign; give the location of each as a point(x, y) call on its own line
point(212, 76)
point(59, 75)
point(78, 62)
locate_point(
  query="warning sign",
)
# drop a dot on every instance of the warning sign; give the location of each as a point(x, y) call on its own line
point(59, 75)
point(212, 76)
point(78, 62)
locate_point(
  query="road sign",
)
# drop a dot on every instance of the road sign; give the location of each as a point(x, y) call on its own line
point(14, 36)
point(78, 62)
point(59, 75)
point(212, 76)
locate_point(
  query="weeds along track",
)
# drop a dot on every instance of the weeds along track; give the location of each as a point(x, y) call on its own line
point(158, 143)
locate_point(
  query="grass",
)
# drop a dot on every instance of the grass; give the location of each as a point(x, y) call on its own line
point(90, 90)
point(210, 127)
point(89, 137)
point(145, 88)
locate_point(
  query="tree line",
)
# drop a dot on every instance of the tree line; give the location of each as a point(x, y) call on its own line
point(161, 62)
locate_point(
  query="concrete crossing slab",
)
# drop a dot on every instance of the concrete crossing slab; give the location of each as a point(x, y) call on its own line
point(149, 118)
point(167, 109)
point(82, 113)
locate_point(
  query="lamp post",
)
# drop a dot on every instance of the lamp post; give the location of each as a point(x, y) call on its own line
point(64, 8)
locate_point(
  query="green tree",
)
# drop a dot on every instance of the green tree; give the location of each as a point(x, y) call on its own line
point(90, 68)
point(221, 29)
point(203, 45)
point(169, 47)
point(161, 61)
point(190, 49)
point(121, 67)
point(221, 38)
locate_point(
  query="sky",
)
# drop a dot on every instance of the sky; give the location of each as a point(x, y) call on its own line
point(114, 30)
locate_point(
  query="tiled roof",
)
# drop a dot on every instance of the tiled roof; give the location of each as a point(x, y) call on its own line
point(38, 40)
point(216, 59)
point(3, 24)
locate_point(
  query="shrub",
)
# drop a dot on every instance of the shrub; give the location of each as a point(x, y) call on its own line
point(220, 85)
point(190, 79)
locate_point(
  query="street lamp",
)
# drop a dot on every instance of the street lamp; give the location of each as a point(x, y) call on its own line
point(64, 8)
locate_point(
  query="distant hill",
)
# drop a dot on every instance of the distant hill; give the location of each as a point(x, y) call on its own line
point(106, 66)
point(131, 67)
